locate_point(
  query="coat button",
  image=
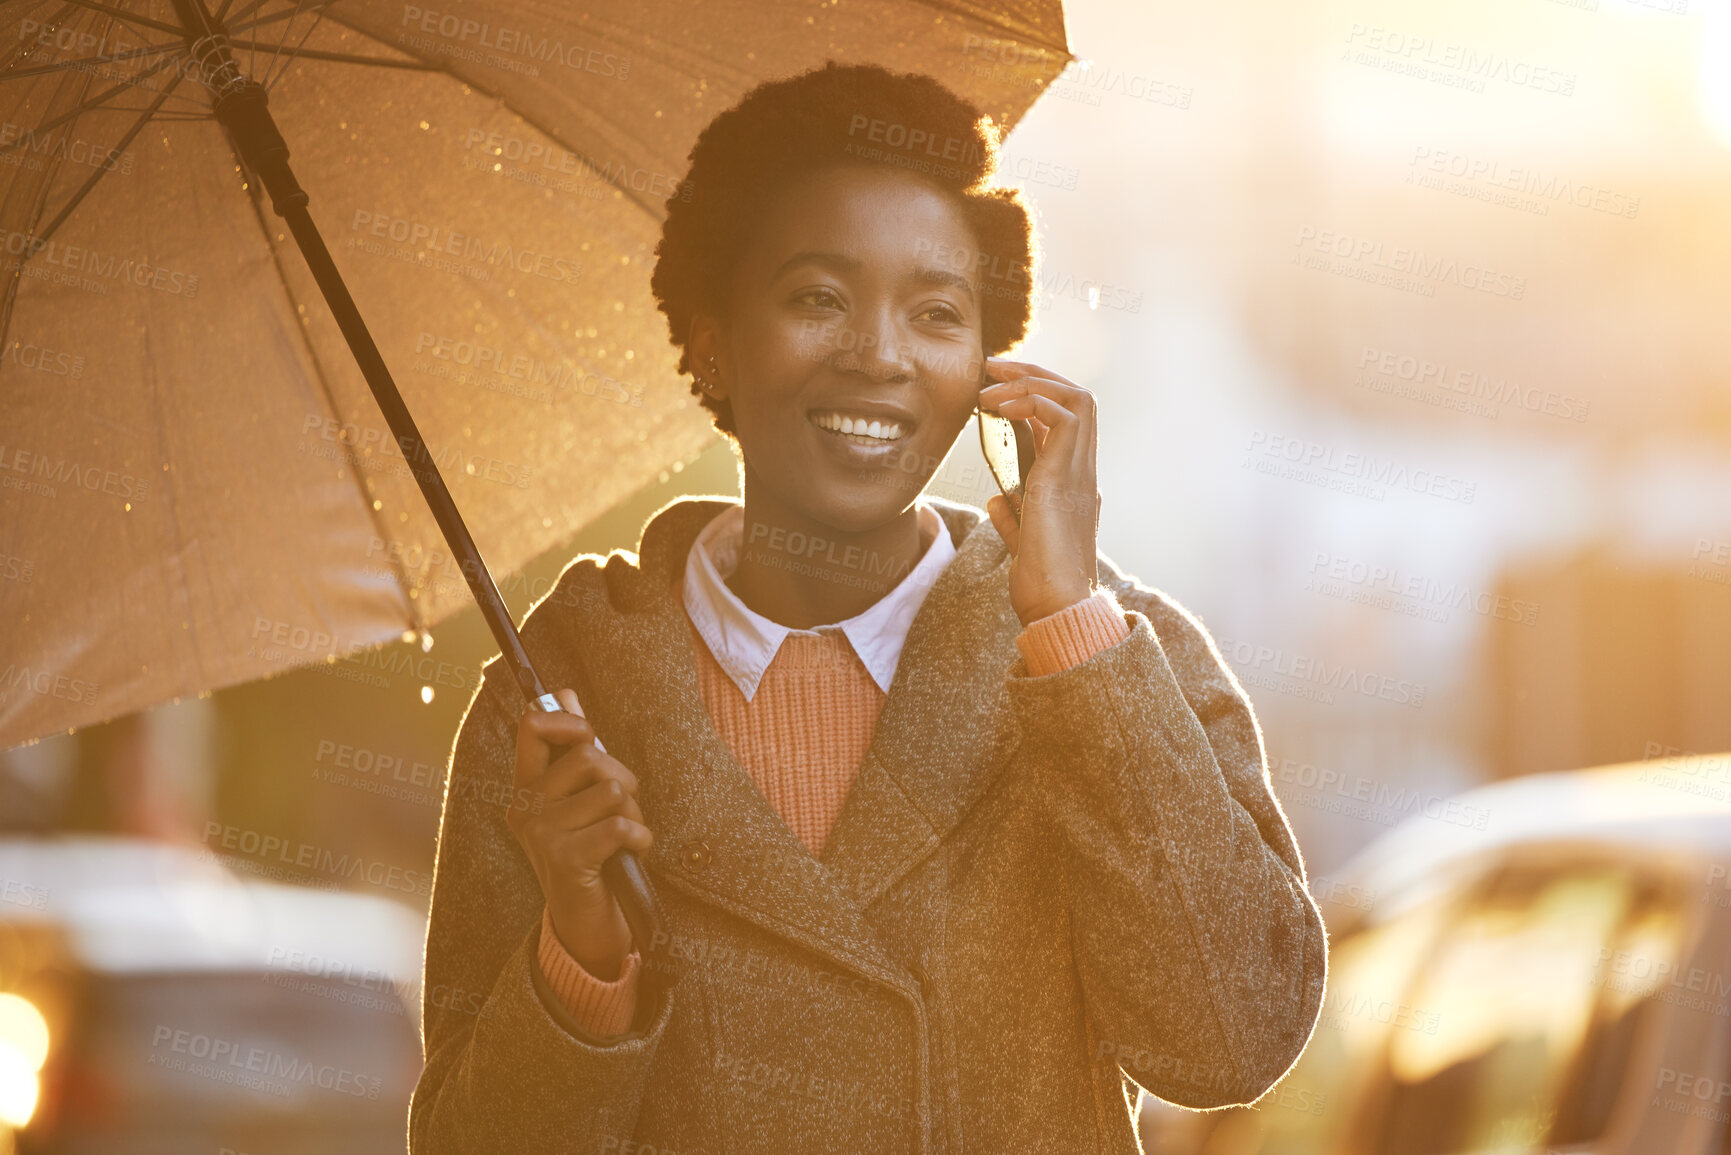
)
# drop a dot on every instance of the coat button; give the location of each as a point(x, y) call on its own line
point(695, 856)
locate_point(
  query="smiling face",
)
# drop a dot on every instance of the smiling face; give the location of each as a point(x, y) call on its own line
point(851, 356)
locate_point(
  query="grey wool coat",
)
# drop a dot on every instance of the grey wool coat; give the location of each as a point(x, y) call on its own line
point(1036, 887)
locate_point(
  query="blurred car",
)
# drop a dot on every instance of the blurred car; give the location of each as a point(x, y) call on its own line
point(151, 1001)
point(1542, 966)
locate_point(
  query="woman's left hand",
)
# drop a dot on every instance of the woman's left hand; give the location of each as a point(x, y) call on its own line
point(1053, 547)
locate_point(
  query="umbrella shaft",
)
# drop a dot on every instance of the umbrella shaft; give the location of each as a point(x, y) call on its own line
point(241, 106)
point(624, 874)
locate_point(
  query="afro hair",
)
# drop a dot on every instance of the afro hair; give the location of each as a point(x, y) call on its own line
point(783, 130)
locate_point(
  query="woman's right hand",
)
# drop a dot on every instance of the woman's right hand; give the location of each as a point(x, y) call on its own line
point(588, 811)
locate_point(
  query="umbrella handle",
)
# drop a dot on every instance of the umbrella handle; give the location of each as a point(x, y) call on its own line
point(624, 874)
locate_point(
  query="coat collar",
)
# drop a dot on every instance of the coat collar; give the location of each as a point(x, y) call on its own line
point(744, 642)
point(940, 740)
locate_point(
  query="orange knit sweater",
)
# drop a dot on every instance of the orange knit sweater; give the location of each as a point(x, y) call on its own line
point(802, 738)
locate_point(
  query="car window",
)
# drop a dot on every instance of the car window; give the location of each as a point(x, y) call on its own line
point(1631, 969)
point(153, 1049)
point(1368, 972)
point(1527, 1017)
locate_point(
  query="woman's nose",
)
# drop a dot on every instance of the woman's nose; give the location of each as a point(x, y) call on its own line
point(879, 349)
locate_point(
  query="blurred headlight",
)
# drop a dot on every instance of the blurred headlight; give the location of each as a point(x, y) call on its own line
point(23, 1050)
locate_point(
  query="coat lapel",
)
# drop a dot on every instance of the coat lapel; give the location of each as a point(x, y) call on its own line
point(934, 751)
point(716, 837)
point(941, 739)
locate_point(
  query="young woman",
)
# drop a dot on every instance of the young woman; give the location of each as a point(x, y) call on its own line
point(954, 825)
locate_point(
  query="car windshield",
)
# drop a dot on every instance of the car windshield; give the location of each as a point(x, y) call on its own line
point(252, 1055)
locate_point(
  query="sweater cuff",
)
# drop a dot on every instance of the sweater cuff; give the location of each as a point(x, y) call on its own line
point(602, 1009)
point(1052, 644)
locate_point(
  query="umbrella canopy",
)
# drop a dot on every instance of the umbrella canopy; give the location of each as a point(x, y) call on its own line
point(196, 486)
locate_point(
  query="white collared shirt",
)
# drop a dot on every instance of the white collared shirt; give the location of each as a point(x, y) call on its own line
point(745, 642)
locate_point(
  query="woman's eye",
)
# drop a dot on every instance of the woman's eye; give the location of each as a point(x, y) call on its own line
point(942, 312)
point(823, 298)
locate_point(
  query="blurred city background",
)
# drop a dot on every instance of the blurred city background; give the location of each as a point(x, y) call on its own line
point(1416, 389)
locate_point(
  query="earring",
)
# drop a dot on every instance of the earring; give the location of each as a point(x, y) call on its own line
point(707, 383)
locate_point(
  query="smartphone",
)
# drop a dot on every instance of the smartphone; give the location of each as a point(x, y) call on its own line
point(1009, 449)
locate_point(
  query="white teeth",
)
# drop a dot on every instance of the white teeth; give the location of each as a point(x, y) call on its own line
point(859, 426)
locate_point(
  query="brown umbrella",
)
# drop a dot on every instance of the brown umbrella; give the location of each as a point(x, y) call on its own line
point(207, 472)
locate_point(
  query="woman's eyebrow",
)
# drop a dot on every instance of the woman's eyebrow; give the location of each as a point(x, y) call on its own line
point(924, 274)
point(927, 275)
point(840, 261)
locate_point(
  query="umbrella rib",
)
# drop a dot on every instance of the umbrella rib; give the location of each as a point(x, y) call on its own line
point(1021, 34)
point(131, 133)
point(416, 618)
point(271, 76)
point(126, 17)
point(79, 110)
point(350, 58)
point(11, 73)
point(22, 52)
point(243, 13)
point(271, 63)
point(273, 18)
point(652, 208)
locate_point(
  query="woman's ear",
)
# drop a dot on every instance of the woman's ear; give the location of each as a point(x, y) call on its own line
point(703, 348)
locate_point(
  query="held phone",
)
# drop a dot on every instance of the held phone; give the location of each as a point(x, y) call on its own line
point(1009, 449)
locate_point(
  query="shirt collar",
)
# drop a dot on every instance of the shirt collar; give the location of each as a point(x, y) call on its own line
point(745, 642)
